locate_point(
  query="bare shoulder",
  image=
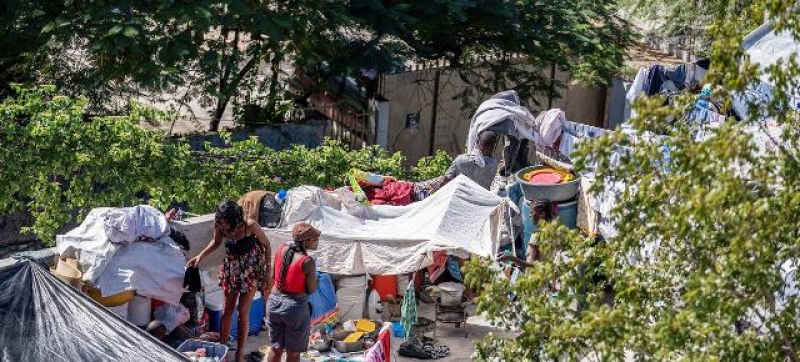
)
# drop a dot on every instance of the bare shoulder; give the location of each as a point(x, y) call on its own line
point(308, 265)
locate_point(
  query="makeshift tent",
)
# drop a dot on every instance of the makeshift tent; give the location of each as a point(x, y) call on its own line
point(461, 216)
point(44, 319)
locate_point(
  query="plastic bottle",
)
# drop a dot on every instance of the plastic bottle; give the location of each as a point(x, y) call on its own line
point(280, 197)
point(375, 307)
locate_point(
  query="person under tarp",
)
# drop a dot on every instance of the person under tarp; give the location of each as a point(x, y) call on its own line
point(44, 319)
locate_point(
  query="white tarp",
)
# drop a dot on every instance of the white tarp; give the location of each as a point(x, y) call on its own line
point(154, 269)
point(461, 216)
point(766, 47)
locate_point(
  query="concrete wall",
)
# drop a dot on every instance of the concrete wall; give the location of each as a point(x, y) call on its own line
point(199, 230)
point(278, 137)
point(413, 93)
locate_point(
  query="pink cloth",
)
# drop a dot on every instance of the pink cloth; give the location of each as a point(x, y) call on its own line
point(438, 267)
point(381, 351)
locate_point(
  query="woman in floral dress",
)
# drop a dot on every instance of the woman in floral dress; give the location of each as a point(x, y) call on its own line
point(245, 269)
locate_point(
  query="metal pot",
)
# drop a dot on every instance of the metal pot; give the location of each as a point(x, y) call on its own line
point(348, 347)
point(321, 345)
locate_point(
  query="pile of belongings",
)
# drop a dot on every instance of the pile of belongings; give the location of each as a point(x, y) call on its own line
point(122, 249)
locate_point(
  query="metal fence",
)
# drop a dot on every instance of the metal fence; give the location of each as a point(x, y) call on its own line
point(355, 130)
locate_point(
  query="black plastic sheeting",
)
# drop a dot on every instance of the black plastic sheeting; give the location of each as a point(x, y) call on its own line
point(44, 319)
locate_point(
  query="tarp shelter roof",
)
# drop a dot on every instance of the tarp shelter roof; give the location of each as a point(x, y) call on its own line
point(461, 216)
point(767, 47)
point(44, 319)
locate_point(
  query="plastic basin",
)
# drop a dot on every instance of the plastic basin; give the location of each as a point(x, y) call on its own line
point(553, 192)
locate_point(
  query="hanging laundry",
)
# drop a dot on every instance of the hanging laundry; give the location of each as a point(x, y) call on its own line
point(408, 310)
point(655, 77)
point(499, 108)
point(637, 86)
point(676, 75)
point(568, 144)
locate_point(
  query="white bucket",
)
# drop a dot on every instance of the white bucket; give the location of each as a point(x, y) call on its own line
point(451, 293)
point(139, 311)
point(351, 297)
point(121, 311)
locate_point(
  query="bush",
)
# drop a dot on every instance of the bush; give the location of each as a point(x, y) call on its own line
point(56, 163)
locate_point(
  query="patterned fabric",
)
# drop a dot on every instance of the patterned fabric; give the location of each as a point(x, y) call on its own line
point(243, 273)
point(408, 310)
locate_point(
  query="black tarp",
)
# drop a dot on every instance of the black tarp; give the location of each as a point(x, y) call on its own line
point(44, 319)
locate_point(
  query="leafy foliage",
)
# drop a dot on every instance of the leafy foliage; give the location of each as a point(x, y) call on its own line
point(703, 268)
point(56, 162)
point(685, 20)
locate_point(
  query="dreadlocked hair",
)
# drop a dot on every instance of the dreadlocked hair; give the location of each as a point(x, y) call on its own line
point(288, 254)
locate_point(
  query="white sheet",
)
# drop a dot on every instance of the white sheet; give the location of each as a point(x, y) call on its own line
point(495, 110)
point(766, 47)
point(154, 269)
point(88, 244)
point(460, 216)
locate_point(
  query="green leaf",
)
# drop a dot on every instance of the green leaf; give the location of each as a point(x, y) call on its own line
point(130, 32)
point(115, 30)
point(48, 27)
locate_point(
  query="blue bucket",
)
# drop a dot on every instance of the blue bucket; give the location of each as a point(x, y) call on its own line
point(398, 330)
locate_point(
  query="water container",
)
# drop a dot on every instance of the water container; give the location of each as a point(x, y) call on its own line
point(352, 297)
point(385, 285)
point(214, 303)
point(139, 311)
point(280, 197)
point(567, 215)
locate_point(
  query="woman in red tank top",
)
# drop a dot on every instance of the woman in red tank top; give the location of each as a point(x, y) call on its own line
point(289, 310)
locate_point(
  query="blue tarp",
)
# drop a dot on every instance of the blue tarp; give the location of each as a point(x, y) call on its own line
point(323, 301)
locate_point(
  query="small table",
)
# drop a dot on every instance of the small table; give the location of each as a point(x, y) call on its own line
point(456, 315)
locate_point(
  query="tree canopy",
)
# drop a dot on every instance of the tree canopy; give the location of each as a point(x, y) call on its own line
point(110, 51)
point(704, 264)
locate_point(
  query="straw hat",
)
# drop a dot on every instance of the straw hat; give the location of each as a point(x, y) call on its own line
point(69, 271)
